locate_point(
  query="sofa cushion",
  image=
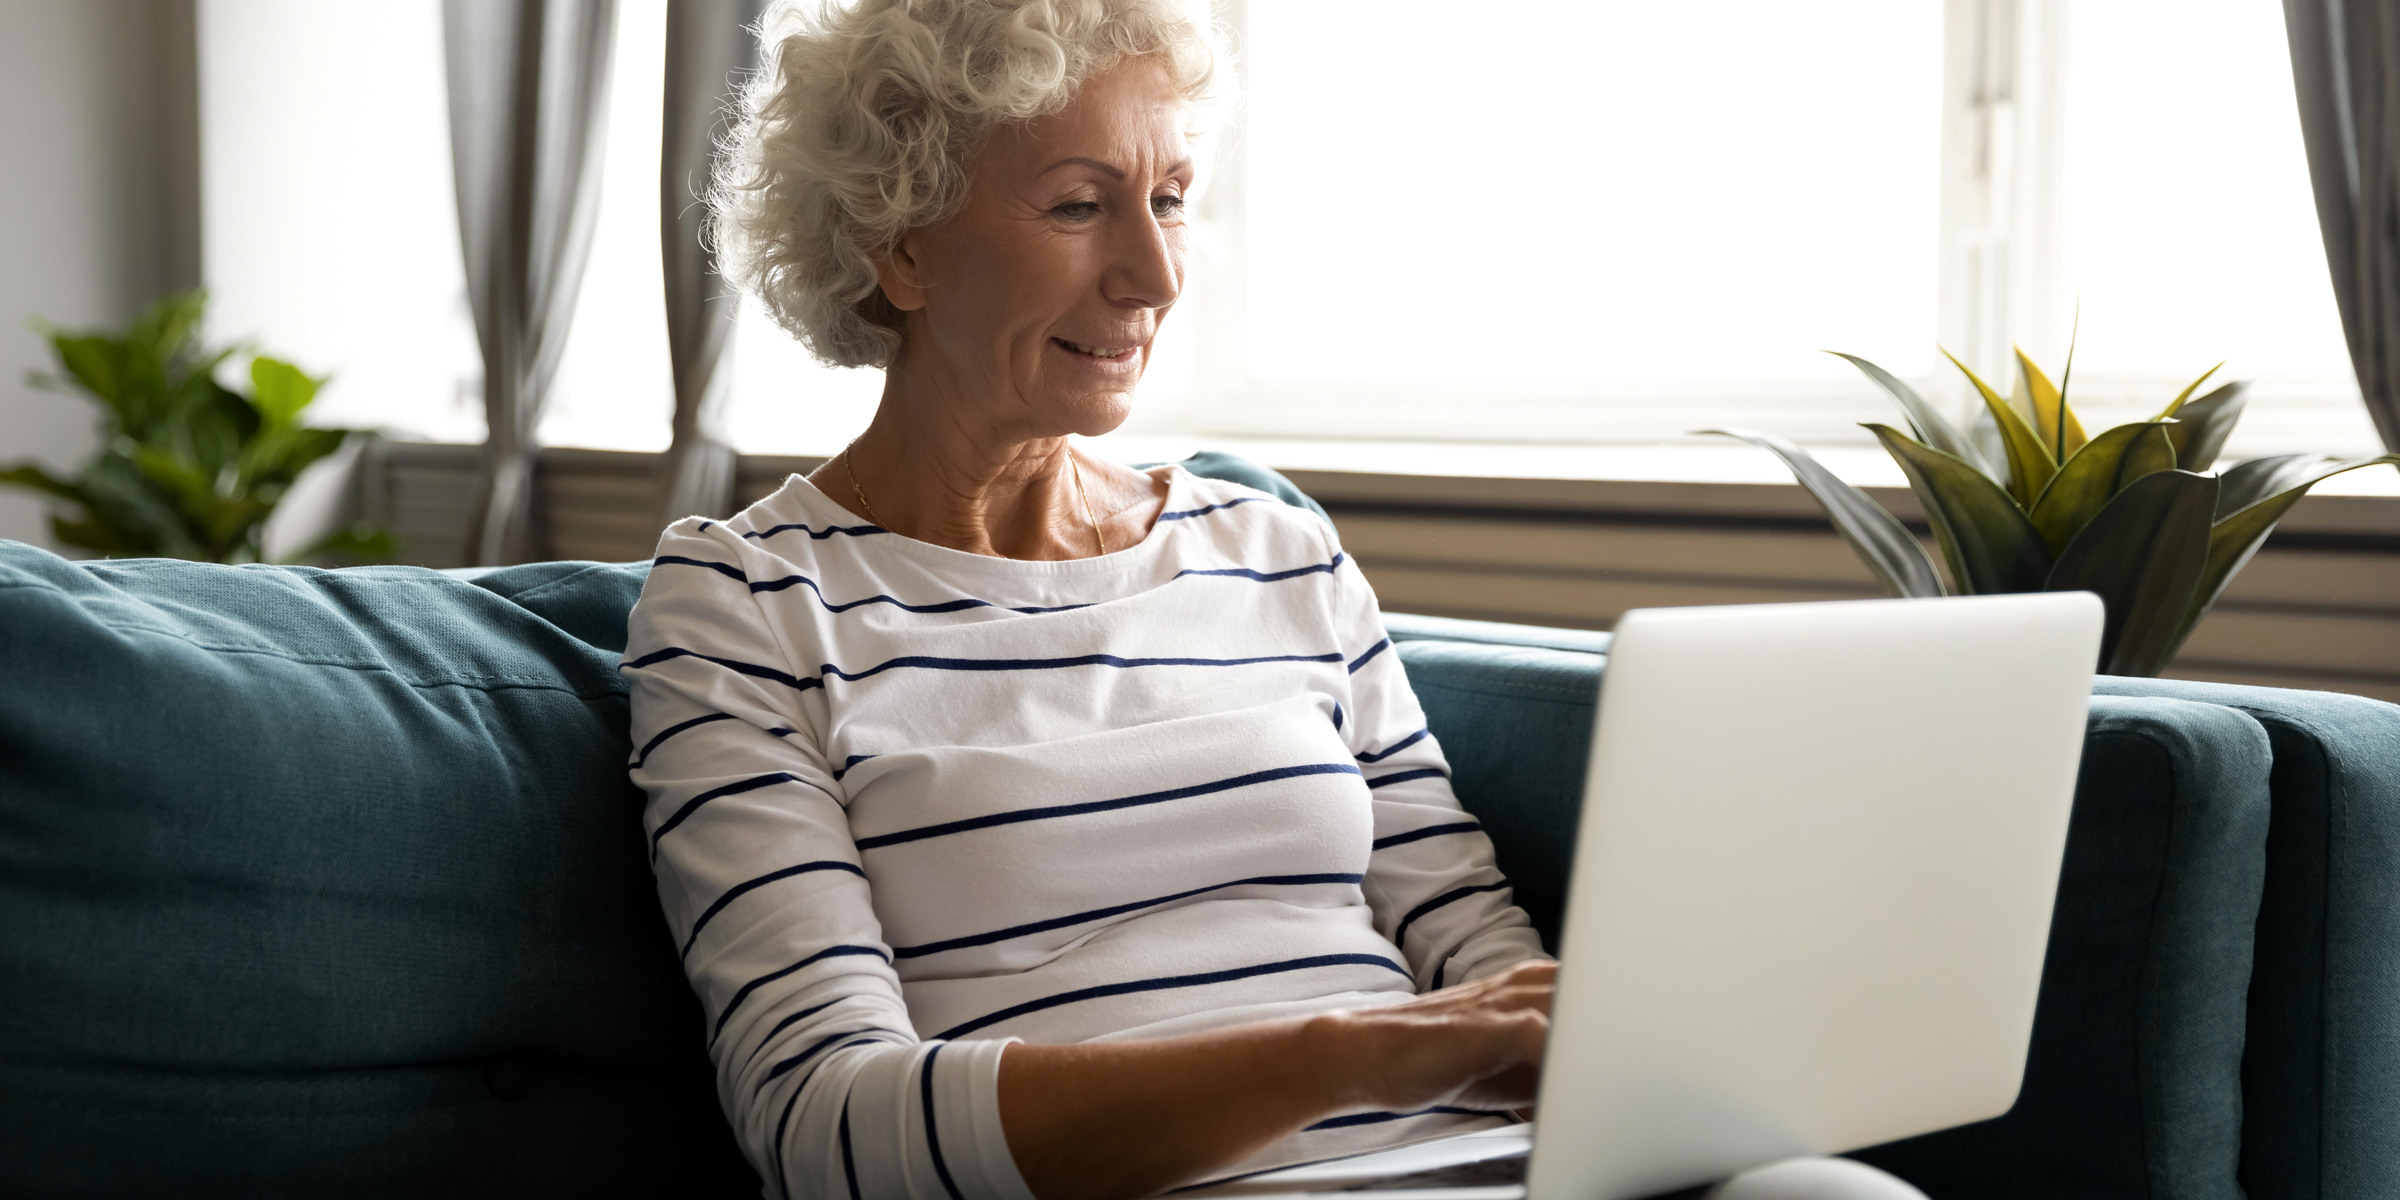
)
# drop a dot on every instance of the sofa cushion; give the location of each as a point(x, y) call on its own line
point(329, 879)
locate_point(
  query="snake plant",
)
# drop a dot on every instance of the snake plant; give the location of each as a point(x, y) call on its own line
point(188, 468)
point(2128, 514)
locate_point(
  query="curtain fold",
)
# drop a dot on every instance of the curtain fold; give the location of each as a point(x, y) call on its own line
point(708, 45)
point(528, 83)
point(2346, 69)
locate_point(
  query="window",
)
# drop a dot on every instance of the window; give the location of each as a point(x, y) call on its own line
point(2190, 230)
point(1554, 221)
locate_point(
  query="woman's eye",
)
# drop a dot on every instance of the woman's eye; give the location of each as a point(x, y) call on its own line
point(1076, 210)
point(1166, 206)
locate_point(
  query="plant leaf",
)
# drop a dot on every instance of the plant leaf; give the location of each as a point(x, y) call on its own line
point(2201, 426)
point(362, 542)
point(2030, 463)
point(2052, 419)
point(1880, 540)
point(1932, 428)
point(1984, 536)
point(2253, 480)
point(2144, 555)
point(26, 475)
point(279, 391)
point(2094, 476)
point(2177, 406)
point(2264, 495)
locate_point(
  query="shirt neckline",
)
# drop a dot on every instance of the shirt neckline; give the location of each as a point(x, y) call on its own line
point(1140, 553)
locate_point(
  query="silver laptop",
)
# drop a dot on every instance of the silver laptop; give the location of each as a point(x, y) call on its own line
point(1811, 896)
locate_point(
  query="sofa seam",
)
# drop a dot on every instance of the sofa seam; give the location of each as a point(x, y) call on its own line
point(477, 680)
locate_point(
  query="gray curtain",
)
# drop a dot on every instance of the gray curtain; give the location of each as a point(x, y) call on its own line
point(528, 113)
point(708, 44)
point(2346, 66)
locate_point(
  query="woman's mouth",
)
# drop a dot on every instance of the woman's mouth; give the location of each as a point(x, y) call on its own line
point(1102, 353)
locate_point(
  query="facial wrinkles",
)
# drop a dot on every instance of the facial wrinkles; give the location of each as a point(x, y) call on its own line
point(1043, 251)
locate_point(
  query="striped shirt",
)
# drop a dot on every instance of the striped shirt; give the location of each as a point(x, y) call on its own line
point(907, 804)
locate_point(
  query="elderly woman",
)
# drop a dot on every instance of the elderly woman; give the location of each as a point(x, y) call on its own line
point(1029, 824)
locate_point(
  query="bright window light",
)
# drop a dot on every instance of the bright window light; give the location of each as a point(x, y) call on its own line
point(615, 388)
point(1569, 193)
point(2191, 231)
point(329, 225)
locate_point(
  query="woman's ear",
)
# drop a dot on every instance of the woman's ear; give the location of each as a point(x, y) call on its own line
point(896, 271)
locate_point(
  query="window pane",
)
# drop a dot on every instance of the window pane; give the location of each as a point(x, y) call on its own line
point(615, 388)
point(330, 230)
point(2191, 232)
point(1567, 193)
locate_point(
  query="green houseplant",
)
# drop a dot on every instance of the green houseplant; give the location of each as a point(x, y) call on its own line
point(2127, 514)
point(188, 468)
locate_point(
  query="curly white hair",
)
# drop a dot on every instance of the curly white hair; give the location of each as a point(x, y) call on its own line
point(861, 122)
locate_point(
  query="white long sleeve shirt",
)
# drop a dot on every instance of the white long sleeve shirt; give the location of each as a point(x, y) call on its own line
point(907, 804)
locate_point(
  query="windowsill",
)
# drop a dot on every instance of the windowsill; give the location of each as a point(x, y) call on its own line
point(1729, 482)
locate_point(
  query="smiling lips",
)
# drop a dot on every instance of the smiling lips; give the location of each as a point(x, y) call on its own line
point(1104, 353)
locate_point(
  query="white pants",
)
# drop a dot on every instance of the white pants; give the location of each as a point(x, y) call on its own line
point(1813, 1179)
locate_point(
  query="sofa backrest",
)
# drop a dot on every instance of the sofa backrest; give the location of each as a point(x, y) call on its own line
point(331, 876)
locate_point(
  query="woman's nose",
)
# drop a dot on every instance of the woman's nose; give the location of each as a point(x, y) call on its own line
point(1146, 267)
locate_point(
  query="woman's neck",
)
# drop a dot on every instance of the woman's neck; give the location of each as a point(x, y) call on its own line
point(933, 472)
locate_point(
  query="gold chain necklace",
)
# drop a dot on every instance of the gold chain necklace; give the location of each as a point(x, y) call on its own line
point(850, 468)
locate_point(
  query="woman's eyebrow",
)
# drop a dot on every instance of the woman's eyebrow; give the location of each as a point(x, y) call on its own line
point(1103, 168)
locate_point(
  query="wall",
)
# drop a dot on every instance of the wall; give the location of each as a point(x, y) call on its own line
point(99, 208)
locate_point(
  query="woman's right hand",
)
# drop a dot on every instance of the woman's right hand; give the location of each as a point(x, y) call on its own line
point(1477, 1045)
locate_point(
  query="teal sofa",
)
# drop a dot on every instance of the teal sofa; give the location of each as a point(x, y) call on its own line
point(329, 882)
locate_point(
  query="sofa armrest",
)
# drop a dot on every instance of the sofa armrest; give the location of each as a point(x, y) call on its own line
point(2318, 1077)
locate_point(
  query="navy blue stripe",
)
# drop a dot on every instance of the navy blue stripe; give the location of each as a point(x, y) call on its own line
point(783, 1183)
point(1375, 756)
point(1418, 835)
point(736, 891)
point(829, 1039)
point(1172, 981)
point(1372, 651)
point(692, 805)
point(772, 976)
point(849, 1167)
point(1337, 717)
point(946, 606)
point(1405, 776)
point(1450, 896)
point(1074, 810)
point(1002, 935)
point(671, 731)
point(1189, 513)
point(933, 663)
point(790, 1021)
point(852, 761)
point(815, 534)
point(1441, 964)
point(1378, 1118)
point(753, 669)
point(1323, 568)
point(726, 569)
point(933, 1137)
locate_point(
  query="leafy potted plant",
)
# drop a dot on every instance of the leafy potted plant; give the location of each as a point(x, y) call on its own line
point(2127, 514)
point(188, 468)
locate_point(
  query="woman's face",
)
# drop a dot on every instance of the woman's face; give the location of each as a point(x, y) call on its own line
point(1038, 302)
